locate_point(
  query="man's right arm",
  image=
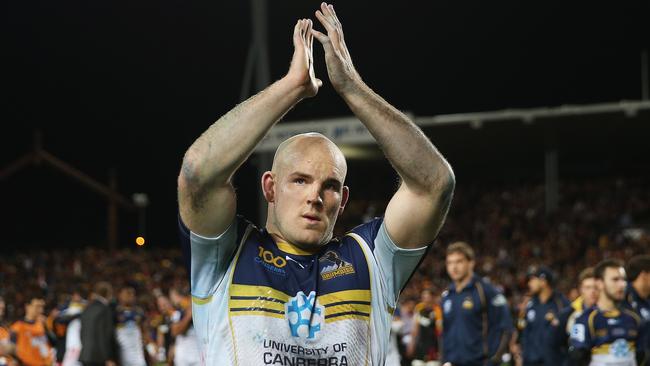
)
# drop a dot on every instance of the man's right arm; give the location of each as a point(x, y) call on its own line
point(580, 341)
point(206, 196)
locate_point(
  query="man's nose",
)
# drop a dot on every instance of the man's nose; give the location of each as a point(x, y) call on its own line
point(315, 197)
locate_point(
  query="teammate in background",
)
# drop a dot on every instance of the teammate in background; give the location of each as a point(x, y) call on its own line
point(160, 350)
point(290, 293)
point(67, 320)
point(424, 347)
point(588, 297)
point(72, 314)
point(539, 322)
point(186, 347)
point(6, 346)
point(606, 334)
point(32, 345)
point(477, 325)
point(637, 297)
point(129, 329)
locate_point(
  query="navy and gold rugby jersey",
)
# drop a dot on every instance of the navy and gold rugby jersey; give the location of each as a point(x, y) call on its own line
point(258, 302)
point(128, 334)
point(610, 335)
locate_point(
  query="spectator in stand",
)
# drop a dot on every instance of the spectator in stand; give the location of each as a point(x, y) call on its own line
point(406, 317)
point(424, 348)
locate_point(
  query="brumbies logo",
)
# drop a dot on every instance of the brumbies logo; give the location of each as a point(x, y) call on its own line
point(339, 267)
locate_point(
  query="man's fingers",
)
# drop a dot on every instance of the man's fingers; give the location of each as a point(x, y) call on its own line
point(302, 29)
point(326, 21)
point(322, 38)
point(309, 35)
point(327, 11)
point(297, 34)
point(336, 18)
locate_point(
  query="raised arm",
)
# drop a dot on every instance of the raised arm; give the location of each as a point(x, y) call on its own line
point(206, 196)
point(417, 210)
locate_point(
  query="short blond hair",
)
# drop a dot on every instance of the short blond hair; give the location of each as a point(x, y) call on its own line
point(462, 248)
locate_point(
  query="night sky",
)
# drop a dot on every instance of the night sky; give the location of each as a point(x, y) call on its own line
point(130, 84)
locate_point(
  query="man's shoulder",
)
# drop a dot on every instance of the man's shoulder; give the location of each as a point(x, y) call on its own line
point(368, 230)
point(585, 316)
point(17, 326)
point(491, 292)
point(239, 221)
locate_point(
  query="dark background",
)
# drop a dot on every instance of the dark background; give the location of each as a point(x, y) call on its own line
point(130, 84)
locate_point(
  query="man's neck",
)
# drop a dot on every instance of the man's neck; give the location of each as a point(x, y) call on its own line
point(460, 285)
point(605, 303)
point(637, 285)
point(545, 294)
point(297, 249)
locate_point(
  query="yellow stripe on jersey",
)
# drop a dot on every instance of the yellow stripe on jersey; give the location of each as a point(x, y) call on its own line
point(634, 315)
point(590, 322)
point(292, 249)
point(346, 317)
point(257, 313)
point(201, 300)
point(345, 296)
point(254, 304)
point(259, 291)
point(347, 307)
point(603, 349)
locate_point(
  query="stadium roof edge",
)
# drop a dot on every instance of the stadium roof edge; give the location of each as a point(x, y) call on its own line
point(349, 130)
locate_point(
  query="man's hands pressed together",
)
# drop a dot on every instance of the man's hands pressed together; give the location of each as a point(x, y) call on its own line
point(301, 70)
point(340, 69)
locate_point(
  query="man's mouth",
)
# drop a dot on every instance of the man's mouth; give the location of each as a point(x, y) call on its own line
point(311, 218)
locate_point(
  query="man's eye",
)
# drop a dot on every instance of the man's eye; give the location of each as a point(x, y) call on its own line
point(299, 181)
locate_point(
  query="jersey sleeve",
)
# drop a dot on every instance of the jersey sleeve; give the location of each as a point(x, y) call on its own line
point(396, 264)
point(209, 258)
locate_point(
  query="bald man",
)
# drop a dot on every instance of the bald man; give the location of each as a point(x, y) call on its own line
point(291, 294)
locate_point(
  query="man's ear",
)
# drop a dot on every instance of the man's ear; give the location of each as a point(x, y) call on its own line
point(268, 186)
point(345, 194)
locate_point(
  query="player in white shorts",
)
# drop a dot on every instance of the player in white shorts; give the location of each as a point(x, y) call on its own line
point(129, 329)
point(186, 347)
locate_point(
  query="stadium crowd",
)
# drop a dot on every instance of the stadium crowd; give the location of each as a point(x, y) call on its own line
point(44, 292)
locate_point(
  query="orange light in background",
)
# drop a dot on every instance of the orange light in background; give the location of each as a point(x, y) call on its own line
point(139, 240)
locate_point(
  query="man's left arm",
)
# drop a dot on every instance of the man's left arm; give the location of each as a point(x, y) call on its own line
point(499, 318)
point(417, 210)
